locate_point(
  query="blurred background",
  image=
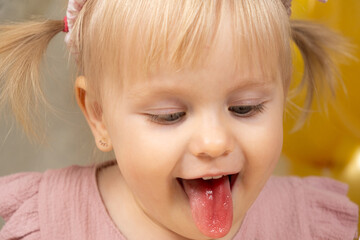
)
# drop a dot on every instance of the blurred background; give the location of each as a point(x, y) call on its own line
point(327, 145)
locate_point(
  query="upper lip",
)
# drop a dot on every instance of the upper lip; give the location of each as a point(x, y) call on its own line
point(213, 174)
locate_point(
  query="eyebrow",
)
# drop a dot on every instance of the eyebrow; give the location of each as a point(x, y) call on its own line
point(249, 83)
point(243, 85)
point(144, 91)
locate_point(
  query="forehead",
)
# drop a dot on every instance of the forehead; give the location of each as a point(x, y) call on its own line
point(186, 34)
point(235, 66)
point(220, 73)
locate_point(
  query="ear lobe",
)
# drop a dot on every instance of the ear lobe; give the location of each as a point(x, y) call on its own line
point(93, 113)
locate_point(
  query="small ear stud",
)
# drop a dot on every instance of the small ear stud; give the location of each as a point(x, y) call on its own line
point(103, 142)
point(104, 145)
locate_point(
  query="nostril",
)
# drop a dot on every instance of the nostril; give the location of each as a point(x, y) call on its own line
point(214, 153)
point(211, 144)
point(227, 152)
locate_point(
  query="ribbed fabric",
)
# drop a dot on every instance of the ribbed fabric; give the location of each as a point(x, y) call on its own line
point(66, 204)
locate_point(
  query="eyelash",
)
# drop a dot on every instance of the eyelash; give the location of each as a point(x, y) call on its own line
point(251, 110)
point(167, 119)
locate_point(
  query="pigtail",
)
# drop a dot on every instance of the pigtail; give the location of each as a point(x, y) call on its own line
point(321, 49)
point(22, 46)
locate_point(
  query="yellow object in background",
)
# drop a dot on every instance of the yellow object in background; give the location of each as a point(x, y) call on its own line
point(329, 143)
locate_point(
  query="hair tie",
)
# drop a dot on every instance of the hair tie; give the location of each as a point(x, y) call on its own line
point(66, 27)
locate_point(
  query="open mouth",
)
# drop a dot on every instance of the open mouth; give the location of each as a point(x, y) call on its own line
point(232, 179)
point(210, 200)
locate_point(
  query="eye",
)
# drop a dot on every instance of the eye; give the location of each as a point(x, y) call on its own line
point(247, 111)
point(166, 119)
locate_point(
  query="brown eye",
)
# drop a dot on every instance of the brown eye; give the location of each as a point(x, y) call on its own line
point(246, 111)
point(167, 118)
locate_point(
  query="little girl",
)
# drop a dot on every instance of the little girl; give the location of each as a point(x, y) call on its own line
point(190, 96)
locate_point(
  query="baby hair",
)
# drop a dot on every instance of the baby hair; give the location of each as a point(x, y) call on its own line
point(117, 41)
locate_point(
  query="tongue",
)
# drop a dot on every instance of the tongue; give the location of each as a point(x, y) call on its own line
point(211, 205)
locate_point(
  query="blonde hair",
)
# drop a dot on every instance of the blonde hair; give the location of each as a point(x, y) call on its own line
point(120, 39)
point(22, 47)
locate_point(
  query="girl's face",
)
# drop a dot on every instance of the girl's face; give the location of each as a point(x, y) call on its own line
point(217, 119)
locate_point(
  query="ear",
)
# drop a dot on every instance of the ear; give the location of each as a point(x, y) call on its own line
point(93, 113)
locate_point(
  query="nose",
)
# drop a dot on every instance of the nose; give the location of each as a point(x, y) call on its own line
point(211, 139)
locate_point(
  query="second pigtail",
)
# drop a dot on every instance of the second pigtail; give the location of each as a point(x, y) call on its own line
point(321, 49)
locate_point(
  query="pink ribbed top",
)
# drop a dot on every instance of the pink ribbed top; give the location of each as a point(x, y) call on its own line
point(66, 204)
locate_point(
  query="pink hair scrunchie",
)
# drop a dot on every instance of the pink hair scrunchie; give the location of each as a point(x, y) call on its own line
point(72, 12)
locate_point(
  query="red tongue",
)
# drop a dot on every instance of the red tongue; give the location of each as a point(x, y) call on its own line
point(211, 205)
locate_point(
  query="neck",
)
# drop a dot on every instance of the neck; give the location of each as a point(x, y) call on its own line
point(125, 211)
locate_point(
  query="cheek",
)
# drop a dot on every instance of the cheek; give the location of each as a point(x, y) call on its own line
point(139, 163)
point(145, 153)
point(264, 143)
point(263, 153)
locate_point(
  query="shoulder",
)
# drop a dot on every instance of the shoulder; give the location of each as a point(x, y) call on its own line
point(18, 205)
point(24, 196)
point(308, 208)
point(331, 214)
